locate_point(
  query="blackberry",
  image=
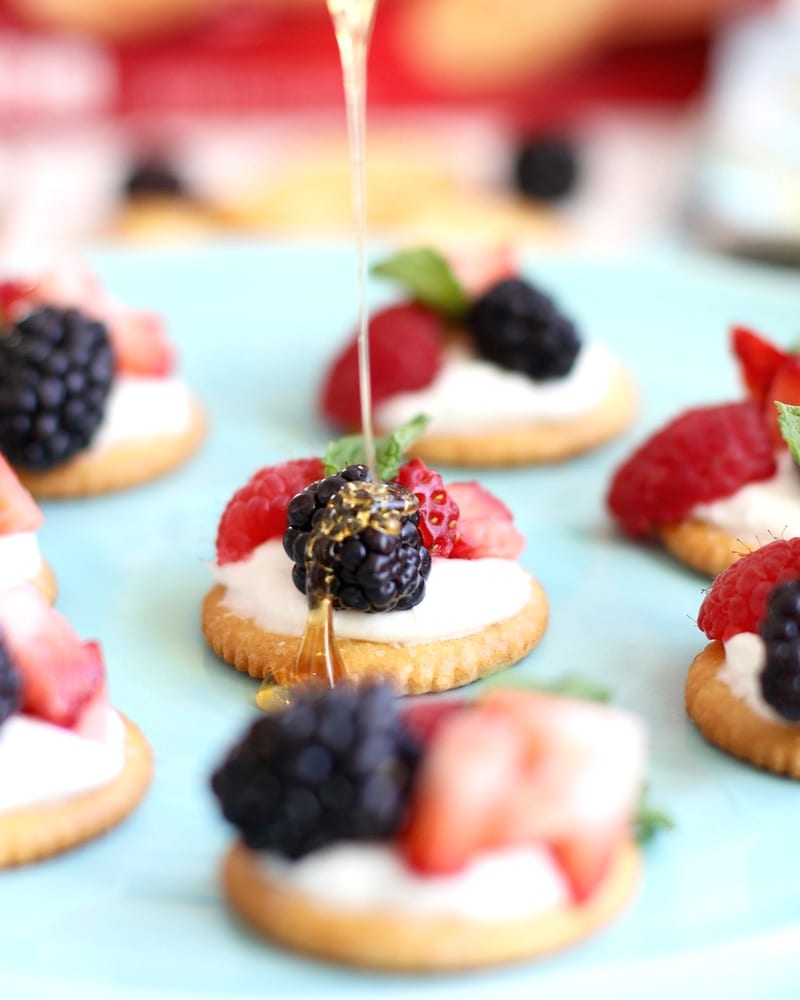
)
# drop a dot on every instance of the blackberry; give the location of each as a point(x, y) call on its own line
point(546, 168)
point(154, 176)
point(56, 370)
point(780, 630)
point(336, 764)
point(519, 328)
point(370, 569)
point(10, 685)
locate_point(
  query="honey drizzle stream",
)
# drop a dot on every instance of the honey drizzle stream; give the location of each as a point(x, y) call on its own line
point(318, 660)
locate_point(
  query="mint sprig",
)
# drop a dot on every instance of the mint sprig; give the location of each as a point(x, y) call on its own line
point(649, 820)
point(389, 451)
point(429, 279)
point(789, 423)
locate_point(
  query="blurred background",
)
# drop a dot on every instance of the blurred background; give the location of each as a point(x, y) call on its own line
point(605, 125)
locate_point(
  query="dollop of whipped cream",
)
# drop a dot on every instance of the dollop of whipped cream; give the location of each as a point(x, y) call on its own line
point(40, 762)
point(469, 393)
point(745, 657)
point(140, 407)
point(20, 558)
point(762, 511)
point(462, 596)
point(507, 883)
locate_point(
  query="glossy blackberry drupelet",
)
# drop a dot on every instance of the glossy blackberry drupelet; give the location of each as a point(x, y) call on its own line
point(154, 176)
point(546, 168)
point(780, 630)
point(373, 570)
point(519, 328)
point(10, 686)
point(56, 371)
point(334, 765)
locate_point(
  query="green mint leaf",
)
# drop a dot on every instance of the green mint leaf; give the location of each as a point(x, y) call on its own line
point(389, 450)
point(789, 423)
point(571, 686)
point(649, 820)
point(428, 277)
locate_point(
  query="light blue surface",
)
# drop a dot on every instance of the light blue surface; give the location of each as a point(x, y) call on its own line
point(138, 913)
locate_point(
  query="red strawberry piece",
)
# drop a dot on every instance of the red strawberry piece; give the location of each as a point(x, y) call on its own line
point(405, 348)
point(485, 525)
point(140, 342)
point(93, 721)
point(257, 512)
point(758, 360)
point(737, 601)
point(16, 298)
point(60, 673)
point(438, 512)
point(702, 455)
point(785, 388)
point(477, 268)
point(18, 510)
point(424, 716)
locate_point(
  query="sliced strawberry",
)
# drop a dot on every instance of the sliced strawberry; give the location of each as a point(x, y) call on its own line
point(485, 525)
point(405, 348)
point(469, 770)
point(140, 342)
point(438, 512)
point(16, 298)
point(18, 510)
point(758, 360)
point(60, 673)
point(784, 388)
point(424, 716)
point(586, 856)
point(477, 268)
point(257, 511)
point(92, 722)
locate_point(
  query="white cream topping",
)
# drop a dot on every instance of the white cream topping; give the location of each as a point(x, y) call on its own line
point(509, 883)
point(20, 558)
point(745, 657)
point(40, 762)
point(141, 407)
point(462, 596)
point(762, 511)
point(469, 393)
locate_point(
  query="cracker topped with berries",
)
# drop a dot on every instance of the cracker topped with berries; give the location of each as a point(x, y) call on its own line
point(437, 604)
point(499, 369)
point(443, 835)
point(718, 481)
point(89, 396)
point(743, 689)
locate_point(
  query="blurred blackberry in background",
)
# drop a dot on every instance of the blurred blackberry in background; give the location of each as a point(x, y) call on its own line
point(56, 371)
point(546, 168)
point(334, 765)
point(154, 176)
point(780, 630)
point(10, 686)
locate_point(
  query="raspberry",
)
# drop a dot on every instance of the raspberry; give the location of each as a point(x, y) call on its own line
point(334, 765)
point(438, 512)
point(759, 361)
point(702, 455)
point(737, 601)
point(257, 511)
point(780, 630)
point(405, 347)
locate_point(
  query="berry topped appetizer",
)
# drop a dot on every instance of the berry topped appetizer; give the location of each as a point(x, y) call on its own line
point(20, 557)
point(743, 689)
point(70, 765)
point(718, 480)
point(89, 401)
point(443, 835)
point(502, 373)
point(420, 577)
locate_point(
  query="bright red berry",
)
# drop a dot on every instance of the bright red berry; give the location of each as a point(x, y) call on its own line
point(16, 298)
point(784, 387)
point(438, 512)
point(758, 360)
point(702, 455)
point(257, 512)
point(737, 601)
point(405, 348)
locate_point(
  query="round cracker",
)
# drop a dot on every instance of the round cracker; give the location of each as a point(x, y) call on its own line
point(412, 669)
point(728, 723)
point(535, 441)
point(118, 466)
point(157, 218)
point(46, 583)
point(702, 546)
point(44, 830)
point(393, 940)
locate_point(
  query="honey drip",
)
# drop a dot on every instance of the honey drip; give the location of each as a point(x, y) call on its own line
point(318, 660)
